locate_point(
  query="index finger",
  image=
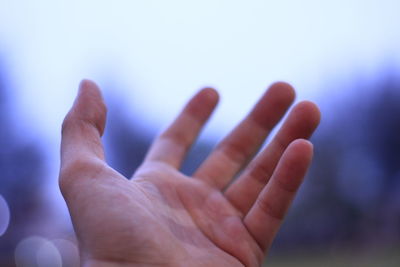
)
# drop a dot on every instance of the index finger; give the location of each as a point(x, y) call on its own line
point(172, 145)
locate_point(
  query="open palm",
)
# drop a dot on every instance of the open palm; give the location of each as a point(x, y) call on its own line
point(162, 217)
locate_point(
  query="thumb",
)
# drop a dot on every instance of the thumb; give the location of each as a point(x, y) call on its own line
point(82, 130)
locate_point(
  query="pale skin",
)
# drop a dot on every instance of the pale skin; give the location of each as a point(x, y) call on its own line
point(161, 217)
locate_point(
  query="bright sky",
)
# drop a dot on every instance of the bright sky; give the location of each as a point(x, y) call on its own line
point(158, 53)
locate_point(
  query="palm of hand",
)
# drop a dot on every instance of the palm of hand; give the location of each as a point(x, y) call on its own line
point(162, 217)
point(165, 214)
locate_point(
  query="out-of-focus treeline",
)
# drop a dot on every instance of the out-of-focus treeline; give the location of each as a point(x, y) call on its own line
point(350, 200)
point(21, 175)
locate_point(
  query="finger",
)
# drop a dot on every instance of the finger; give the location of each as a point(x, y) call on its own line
point(172, 145)
point(266, 215)
point(243, 142)
point(81, 131)
point(301, 123)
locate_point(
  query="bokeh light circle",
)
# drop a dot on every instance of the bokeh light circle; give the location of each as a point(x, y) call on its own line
point(48, 255)
point(4, 215)
point(69, 252)
point(36, 251)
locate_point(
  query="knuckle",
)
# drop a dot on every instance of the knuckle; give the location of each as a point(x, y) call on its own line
point(66, 124)
point(270, 210)
point(235, 150)
point(72, 171)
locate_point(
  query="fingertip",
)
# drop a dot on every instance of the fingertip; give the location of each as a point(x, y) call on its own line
point(210, 94)
point(310, 116)
point(301, 142)
point(285, 89)
point(278, 97)
point(204, 101)
point(89, 87)
point(89, 90)
point(312, 109)
point(302, 148)
point(86, 83)
point(89, 106)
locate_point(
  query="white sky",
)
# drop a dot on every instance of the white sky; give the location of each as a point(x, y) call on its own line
point(158, 53)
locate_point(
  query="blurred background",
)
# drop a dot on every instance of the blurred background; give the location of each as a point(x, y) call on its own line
point(150, 56)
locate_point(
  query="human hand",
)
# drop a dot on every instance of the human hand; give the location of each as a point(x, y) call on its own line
point(162, 217)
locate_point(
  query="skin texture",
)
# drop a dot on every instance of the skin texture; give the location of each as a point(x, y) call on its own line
point(161, 217)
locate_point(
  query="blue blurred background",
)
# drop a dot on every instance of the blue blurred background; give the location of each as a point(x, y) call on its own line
point(150, 56)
